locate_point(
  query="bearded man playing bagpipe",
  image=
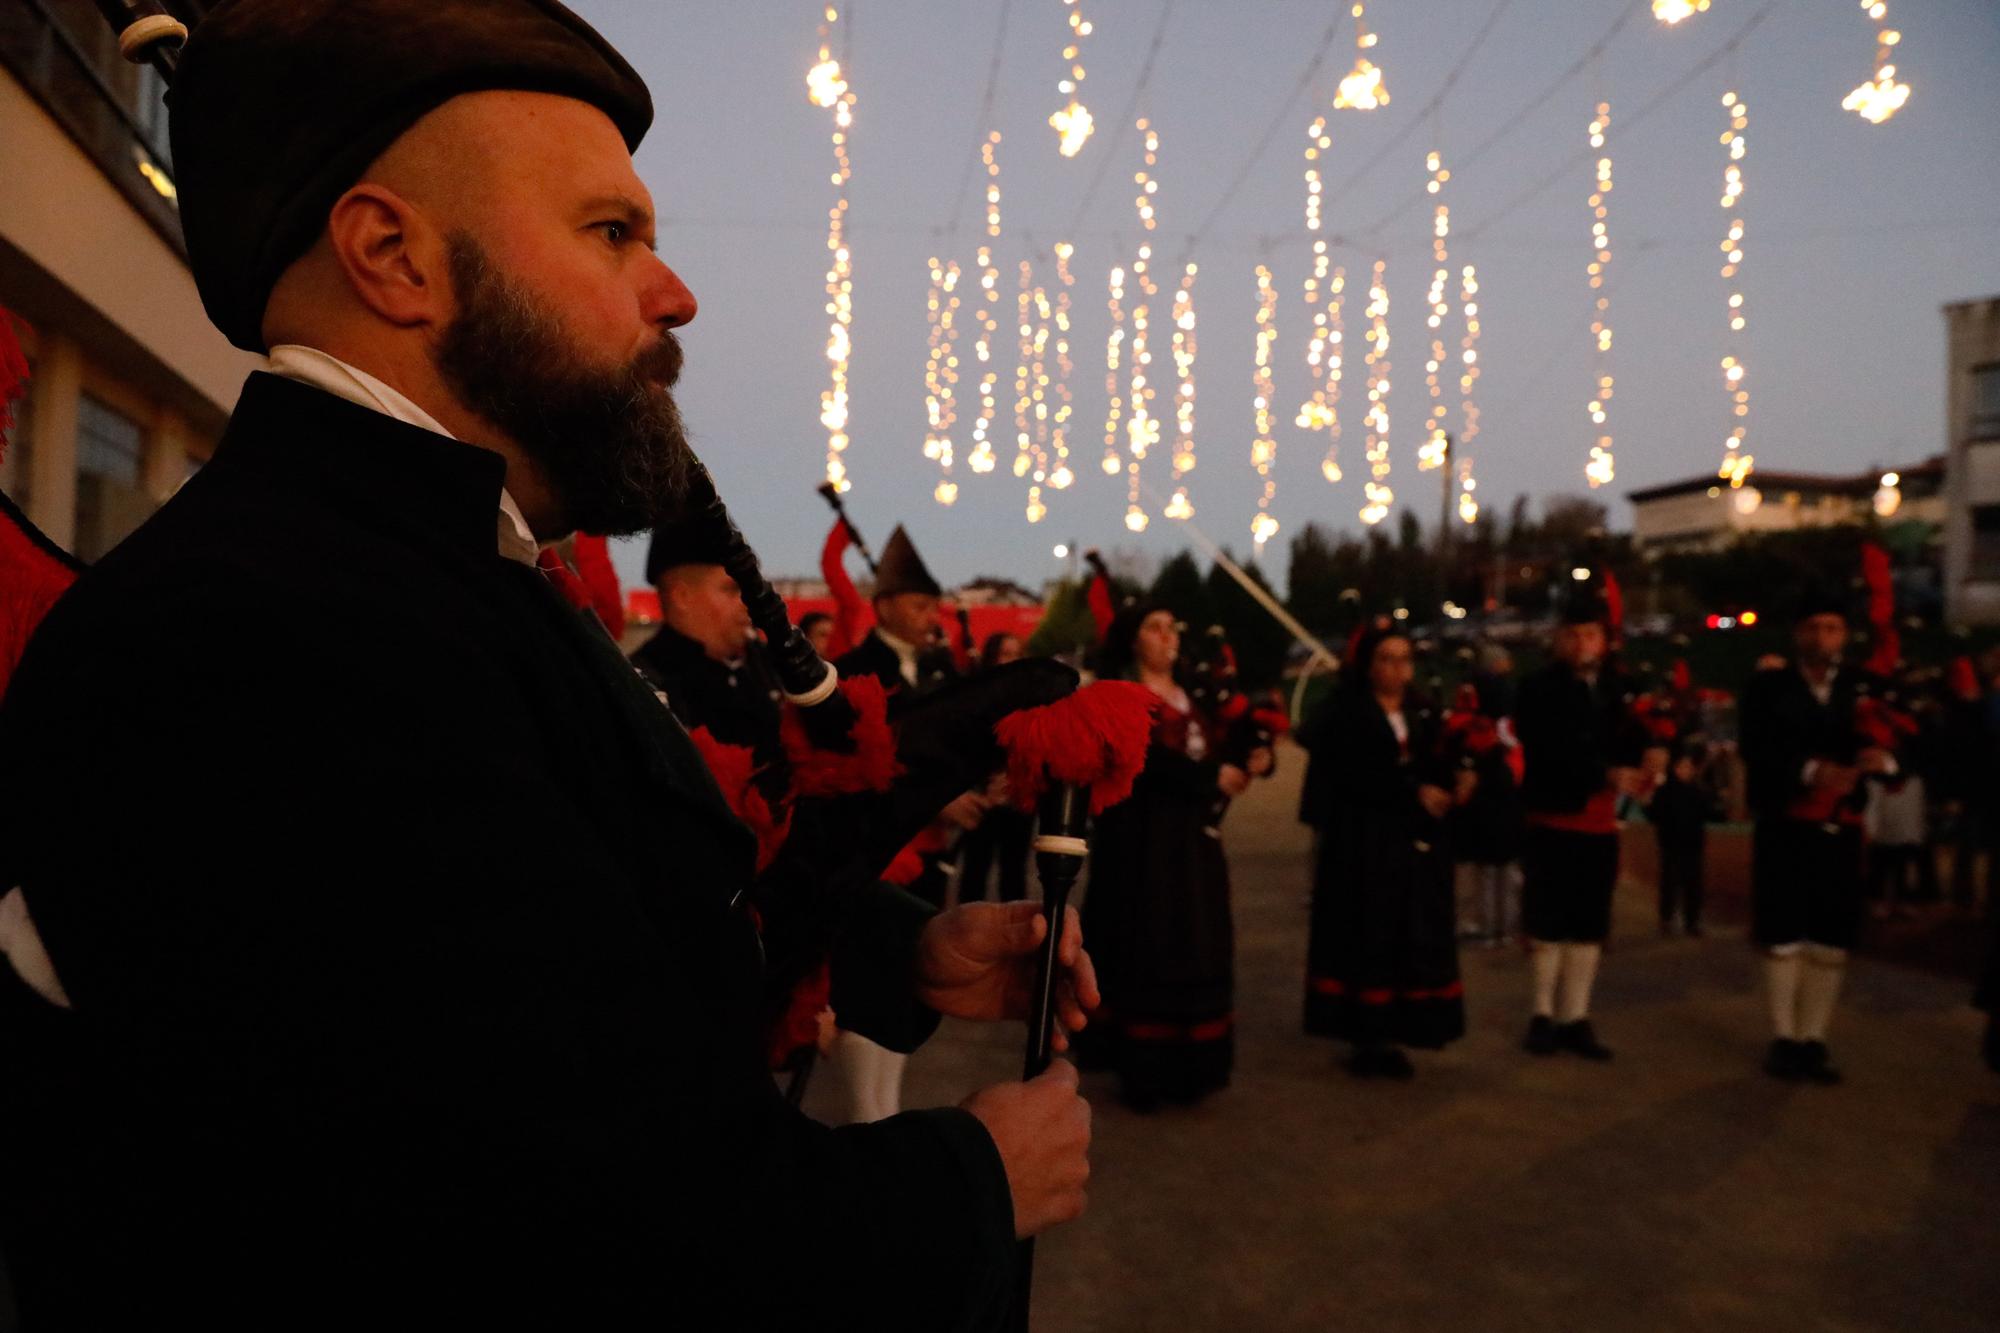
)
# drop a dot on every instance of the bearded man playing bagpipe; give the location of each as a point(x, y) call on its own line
point(399, 965)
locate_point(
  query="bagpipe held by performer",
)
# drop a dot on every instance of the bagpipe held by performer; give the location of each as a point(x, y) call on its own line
point(439, 998)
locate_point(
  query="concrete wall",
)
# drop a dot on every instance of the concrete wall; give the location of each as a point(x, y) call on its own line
point(1972, 468)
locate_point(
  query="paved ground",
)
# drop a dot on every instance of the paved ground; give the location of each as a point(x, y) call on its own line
point(1676, 1188)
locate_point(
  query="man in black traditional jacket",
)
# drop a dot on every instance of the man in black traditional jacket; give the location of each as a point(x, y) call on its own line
point(1581, 751)
point(403, 933)
point(704, 657)
point(905, 650)
point(1807, 757)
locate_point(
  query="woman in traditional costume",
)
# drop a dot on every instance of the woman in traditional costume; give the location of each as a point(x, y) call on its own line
point(1156, 909)
point(1382, 966)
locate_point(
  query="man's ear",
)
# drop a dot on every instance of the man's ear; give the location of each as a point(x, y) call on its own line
point(392, 258)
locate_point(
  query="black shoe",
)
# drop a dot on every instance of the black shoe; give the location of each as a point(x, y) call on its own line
point(1541, 1038)
point(1784, 1062)
point(1579, 1037)
point(1394, 1064)
point(1815, 1065)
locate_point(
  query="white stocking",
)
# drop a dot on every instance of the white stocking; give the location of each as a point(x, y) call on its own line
point(1782, 969)
point(1819, 988)
point(1579, 974)
point(1545, 962)
point(874, 1078)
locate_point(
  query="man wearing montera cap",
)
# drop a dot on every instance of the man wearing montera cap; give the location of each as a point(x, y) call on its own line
point(905, 649)
point(1807, 757)
point(402, 972)
point(1582, 751)
point(705, 657)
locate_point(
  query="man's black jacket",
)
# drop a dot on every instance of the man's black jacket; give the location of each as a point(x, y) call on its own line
point(738, 704)
point(1784, 727)
point(873, 657)
point(1573, 733)
point(404, 934)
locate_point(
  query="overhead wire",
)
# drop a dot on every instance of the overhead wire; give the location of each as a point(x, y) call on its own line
point(1108, 151)
point(985, 122)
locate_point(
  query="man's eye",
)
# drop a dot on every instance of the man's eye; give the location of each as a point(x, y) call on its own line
point(614, 232)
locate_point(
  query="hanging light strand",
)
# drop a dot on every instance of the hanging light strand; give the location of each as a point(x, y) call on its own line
point(981, 458)
point(1737, 462)
point(1468, 379)
point(827, 86)
point(1178, 506)
point(1264, 445)
point(941, 375)
point(1601, 468)
point(1436, 447)
point(1376, 493)
point(1072, 122)
point(1114, 343)
point(1061, 477)
point(1671, 12)
point(1038, 401)
point(1142, 429)
point(1317, 143)
point(1321, 409)
point(1024, 356)
point(1362, 89)
point(1882, 96)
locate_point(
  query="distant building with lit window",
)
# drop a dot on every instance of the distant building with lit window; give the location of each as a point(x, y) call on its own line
point(130, 384)
point(1706, 514)
point(1972, 434)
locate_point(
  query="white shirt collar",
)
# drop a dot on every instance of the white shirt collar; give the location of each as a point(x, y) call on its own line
point(309, 365)
point(906, 654)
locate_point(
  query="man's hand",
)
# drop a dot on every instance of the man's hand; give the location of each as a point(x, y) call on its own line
point(1840, 779)
point(978, 961)
point(1876, 760)
point(1042, 1129)
point(1435, 800)
point(1262, 761)
point(966, 811)
point(1463, 785)
point(1231, 781)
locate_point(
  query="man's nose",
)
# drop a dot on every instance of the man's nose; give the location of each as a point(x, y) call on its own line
point(669, 303)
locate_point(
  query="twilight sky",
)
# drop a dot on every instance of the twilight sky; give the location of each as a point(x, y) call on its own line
point(1857, 234)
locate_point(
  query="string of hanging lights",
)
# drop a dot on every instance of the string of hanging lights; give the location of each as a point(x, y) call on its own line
point(1142, 429)
point(827, 86)
point(1882, 96)
point(1601, 467)
point(1061, 477)
point(1362, 89)
point(1375, 491)
point(1178, 506)
point(941, 375)
point(1671, 12)
point(1436, 447)
point(1072, 122)
point(981, 457)
point(1264, 445)
point(1321, 409)
point(1114, 342)
point(1737, 463)
point(1468, 379)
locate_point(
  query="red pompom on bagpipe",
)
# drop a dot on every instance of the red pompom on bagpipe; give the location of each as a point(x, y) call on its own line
point(1095, 738)
point(871, 765)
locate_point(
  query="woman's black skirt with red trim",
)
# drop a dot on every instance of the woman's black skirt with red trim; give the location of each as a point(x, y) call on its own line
point(1382, 965)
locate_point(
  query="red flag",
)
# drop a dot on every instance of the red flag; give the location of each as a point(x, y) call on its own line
point(1614, 604)
point(851, 617)
point(1103, 608)
point(1964, 680)
point(1881, 609)
point(13, 374)
point(34, 571)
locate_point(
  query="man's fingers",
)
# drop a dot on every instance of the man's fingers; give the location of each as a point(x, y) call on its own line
point(1072, 939)
point(1060, 1074)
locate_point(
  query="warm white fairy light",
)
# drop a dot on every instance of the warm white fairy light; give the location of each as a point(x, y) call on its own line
point(941, 375)
point(1737, 463)
point(1263, 445)
point(1437, 443)
point(1882, 96)
point(1025, 330)
point(1142, 429)
point(1361, 90)
point(1038, 405)
point(1600, 469)
point(1113, 344)
point(827, 87)
point(981, 458)
point(1061, 476)
point(1376, 490)
point(1468, 379)
point(1671, 12)
point(1072, 122)
point(1178, 505)
point(1317, 142)
point(1888, 495)
point(1321, 410)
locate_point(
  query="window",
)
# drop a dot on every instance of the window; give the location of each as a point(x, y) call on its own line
point(1985, 561)
point(1986, 402)
point(109, 500)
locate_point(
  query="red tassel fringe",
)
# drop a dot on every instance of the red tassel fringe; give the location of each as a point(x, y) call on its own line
point(13, 374)
point(871, 766)
point(735, 769)
point(1096, 737)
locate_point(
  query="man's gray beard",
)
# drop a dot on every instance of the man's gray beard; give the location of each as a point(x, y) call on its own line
point(609, 444)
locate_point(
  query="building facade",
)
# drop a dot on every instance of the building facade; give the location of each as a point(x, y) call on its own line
point(130, 384)
point(1972, 440)
point(1705, 514)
